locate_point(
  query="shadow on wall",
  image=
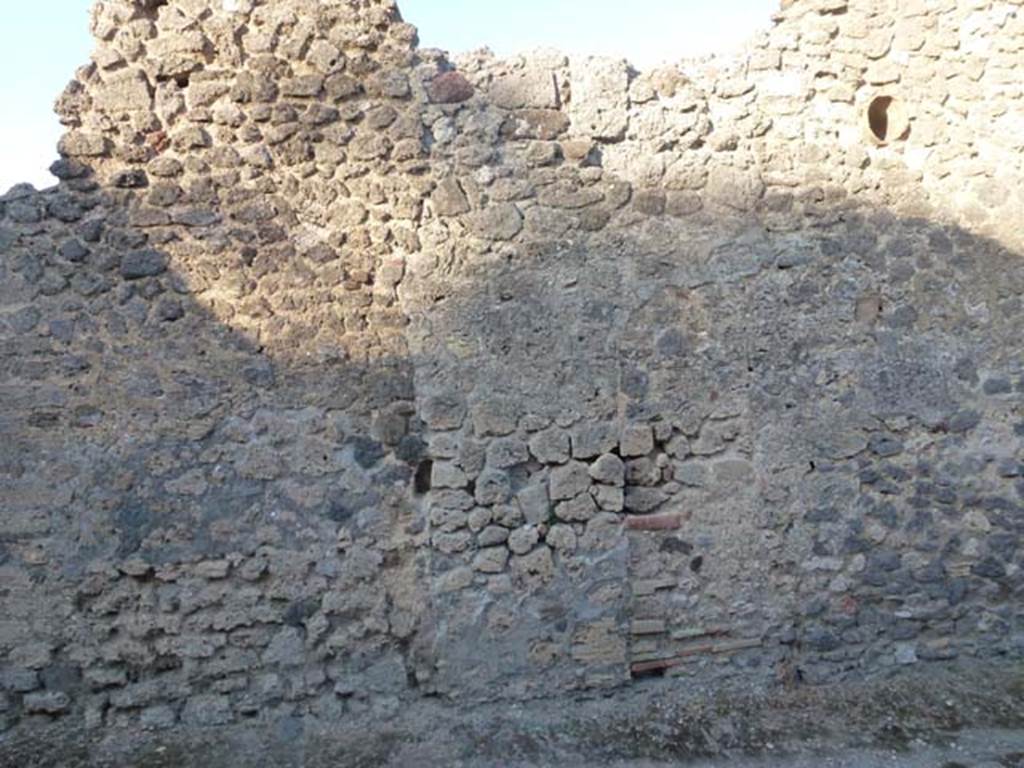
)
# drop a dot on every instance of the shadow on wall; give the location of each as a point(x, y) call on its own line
point(834, 411)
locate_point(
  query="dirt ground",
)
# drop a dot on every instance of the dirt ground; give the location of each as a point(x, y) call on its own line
point(971, 749)
point(961, 716)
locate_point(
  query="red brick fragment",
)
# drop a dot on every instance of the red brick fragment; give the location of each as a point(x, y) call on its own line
point(654, 523)
point(450, 88)
point(158, 141)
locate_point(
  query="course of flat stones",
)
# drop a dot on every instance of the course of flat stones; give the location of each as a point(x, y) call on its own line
point(340, 380)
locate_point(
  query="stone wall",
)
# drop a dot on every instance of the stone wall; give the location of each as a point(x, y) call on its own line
point(337, 375)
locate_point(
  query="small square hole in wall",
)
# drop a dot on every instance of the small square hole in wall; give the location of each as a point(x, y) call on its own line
point(421, 480)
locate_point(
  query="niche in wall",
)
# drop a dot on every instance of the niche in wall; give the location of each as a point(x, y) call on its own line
point(887, 120)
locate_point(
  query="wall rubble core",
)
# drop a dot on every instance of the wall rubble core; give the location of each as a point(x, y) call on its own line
point(338, 376)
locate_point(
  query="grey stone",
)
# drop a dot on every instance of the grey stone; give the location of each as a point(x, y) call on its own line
point(206, 710)
point(537, 565)
point(523, 540)
point(130, 179)
point(964, 421)
point(341, 86)
point(578, 509)
point(591, 440)
point(325, 57)
point(452, 499)
point(886, 446)
point(534, 503)
point(127, 90)
point(642, 472)
point(74, 251)
point(492, 535)
point(451, 543)
point(989, 568)
point(602, 533)
point(609, 498)
point(447, 475)
point(997, 386)
point(18, 680)
point(906, 654)
point(61, 676)
point(366, 451)
point(636, 440)
point(145, 263)
point(491, 560)
point(495, 417)
point(545, 124)
point(678, 448)
point(642, 500)
point(106, 677)
point(83, 144)
point(169, 309)
point(449, 199)
point(24, 320)
point(507, 452)
point(550, 446)
point(493, 487)
point(500, 221)
point(195, 217)
point(689, 473)
point(599, 103)
point(478, 518)
point(287, 648)
point(737, 473)
point(508, 515)
point(568, 481)
point(448, 520)
point(472, 456)
point(47, 702)
point(1010, 468)
point(525, 89)
point(561, 538)
point(609, 469)
point(303, 86)
point(159, 717)
point(445, 411)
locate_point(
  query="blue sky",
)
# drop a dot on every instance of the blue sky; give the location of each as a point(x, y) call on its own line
point(42, 42)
